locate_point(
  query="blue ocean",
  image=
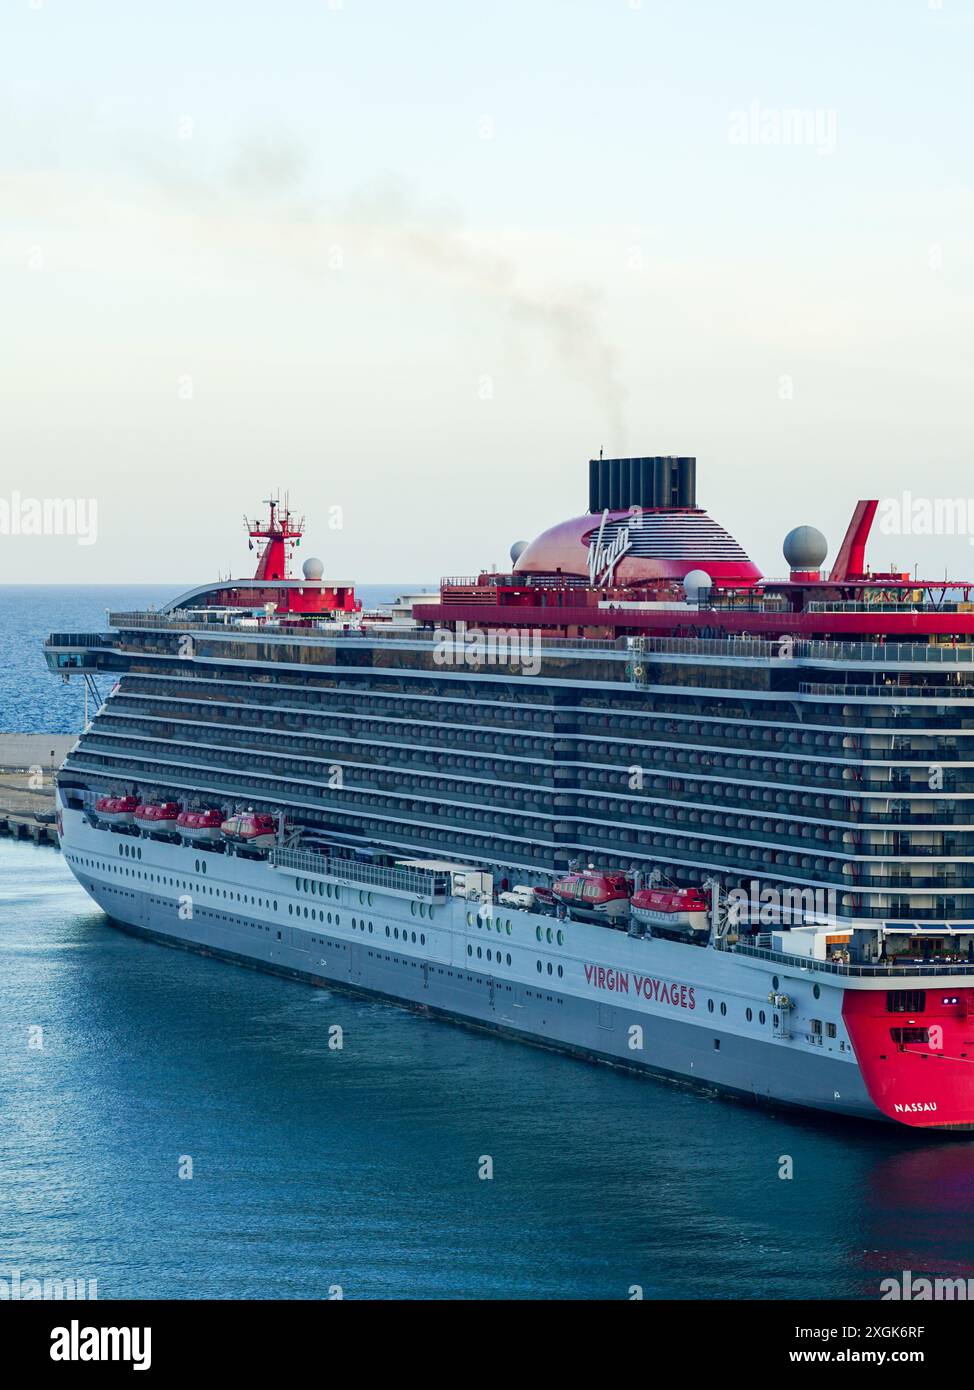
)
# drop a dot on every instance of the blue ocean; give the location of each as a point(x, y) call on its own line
point(172, 1126)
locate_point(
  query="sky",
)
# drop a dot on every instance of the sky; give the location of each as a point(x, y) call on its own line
point(415, 263)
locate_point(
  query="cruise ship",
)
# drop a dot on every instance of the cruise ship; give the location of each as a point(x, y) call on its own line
point(630, 799)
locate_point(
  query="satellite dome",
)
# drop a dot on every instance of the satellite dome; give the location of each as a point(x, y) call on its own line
point(517, 550)
point(696, 583)
point(312, 568)
point(805, 548)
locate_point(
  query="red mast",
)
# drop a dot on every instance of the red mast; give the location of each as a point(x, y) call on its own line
point(850, 563)
point(282, 532)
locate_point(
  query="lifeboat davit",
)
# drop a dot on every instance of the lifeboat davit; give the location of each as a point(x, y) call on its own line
point(594, 895)
point(158, 817)
point(681, 910)
point(200, 826)
point(253, 829)
point(116, 810)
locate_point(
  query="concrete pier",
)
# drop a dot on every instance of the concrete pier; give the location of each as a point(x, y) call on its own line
point(28, 763)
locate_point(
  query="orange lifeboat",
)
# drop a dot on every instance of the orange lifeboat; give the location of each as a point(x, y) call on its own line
point(158, 818)
point(116, 810)
point(680, 910)
point(594, 895)
point(200, 826)
point(253, 829)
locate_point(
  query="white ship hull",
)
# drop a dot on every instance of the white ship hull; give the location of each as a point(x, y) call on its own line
point(664, 1007)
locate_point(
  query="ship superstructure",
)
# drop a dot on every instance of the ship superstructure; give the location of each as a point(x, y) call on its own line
point(773, 777)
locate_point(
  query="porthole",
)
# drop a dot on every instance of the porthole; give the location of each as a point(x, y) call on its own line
point(710, 1006)
point(817, 991)
point(561, 938)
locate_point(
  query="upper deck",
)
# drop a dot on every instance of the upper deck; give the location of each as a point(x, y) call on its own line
point(653, 702)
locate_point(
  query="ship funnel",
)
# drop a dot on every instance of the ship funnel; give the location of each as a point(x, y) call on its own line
point(660, 481)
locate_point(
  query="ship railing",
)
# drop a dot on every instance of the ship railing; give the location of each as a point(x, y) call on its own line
point(887, 692)
point(854, 606)
point(418, 637)
point(512, 581)
point(79, 639)
point(421, 883)
point(787, 649)
point(829, 967)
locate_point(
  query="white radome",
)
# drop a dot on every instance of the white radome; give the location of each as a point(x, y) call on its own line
point(696, 584)
point(312, 568)
point(805, 548)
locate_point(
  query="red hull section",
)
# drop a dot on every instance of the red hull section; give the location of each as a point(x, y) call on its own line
point(918, 1067)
